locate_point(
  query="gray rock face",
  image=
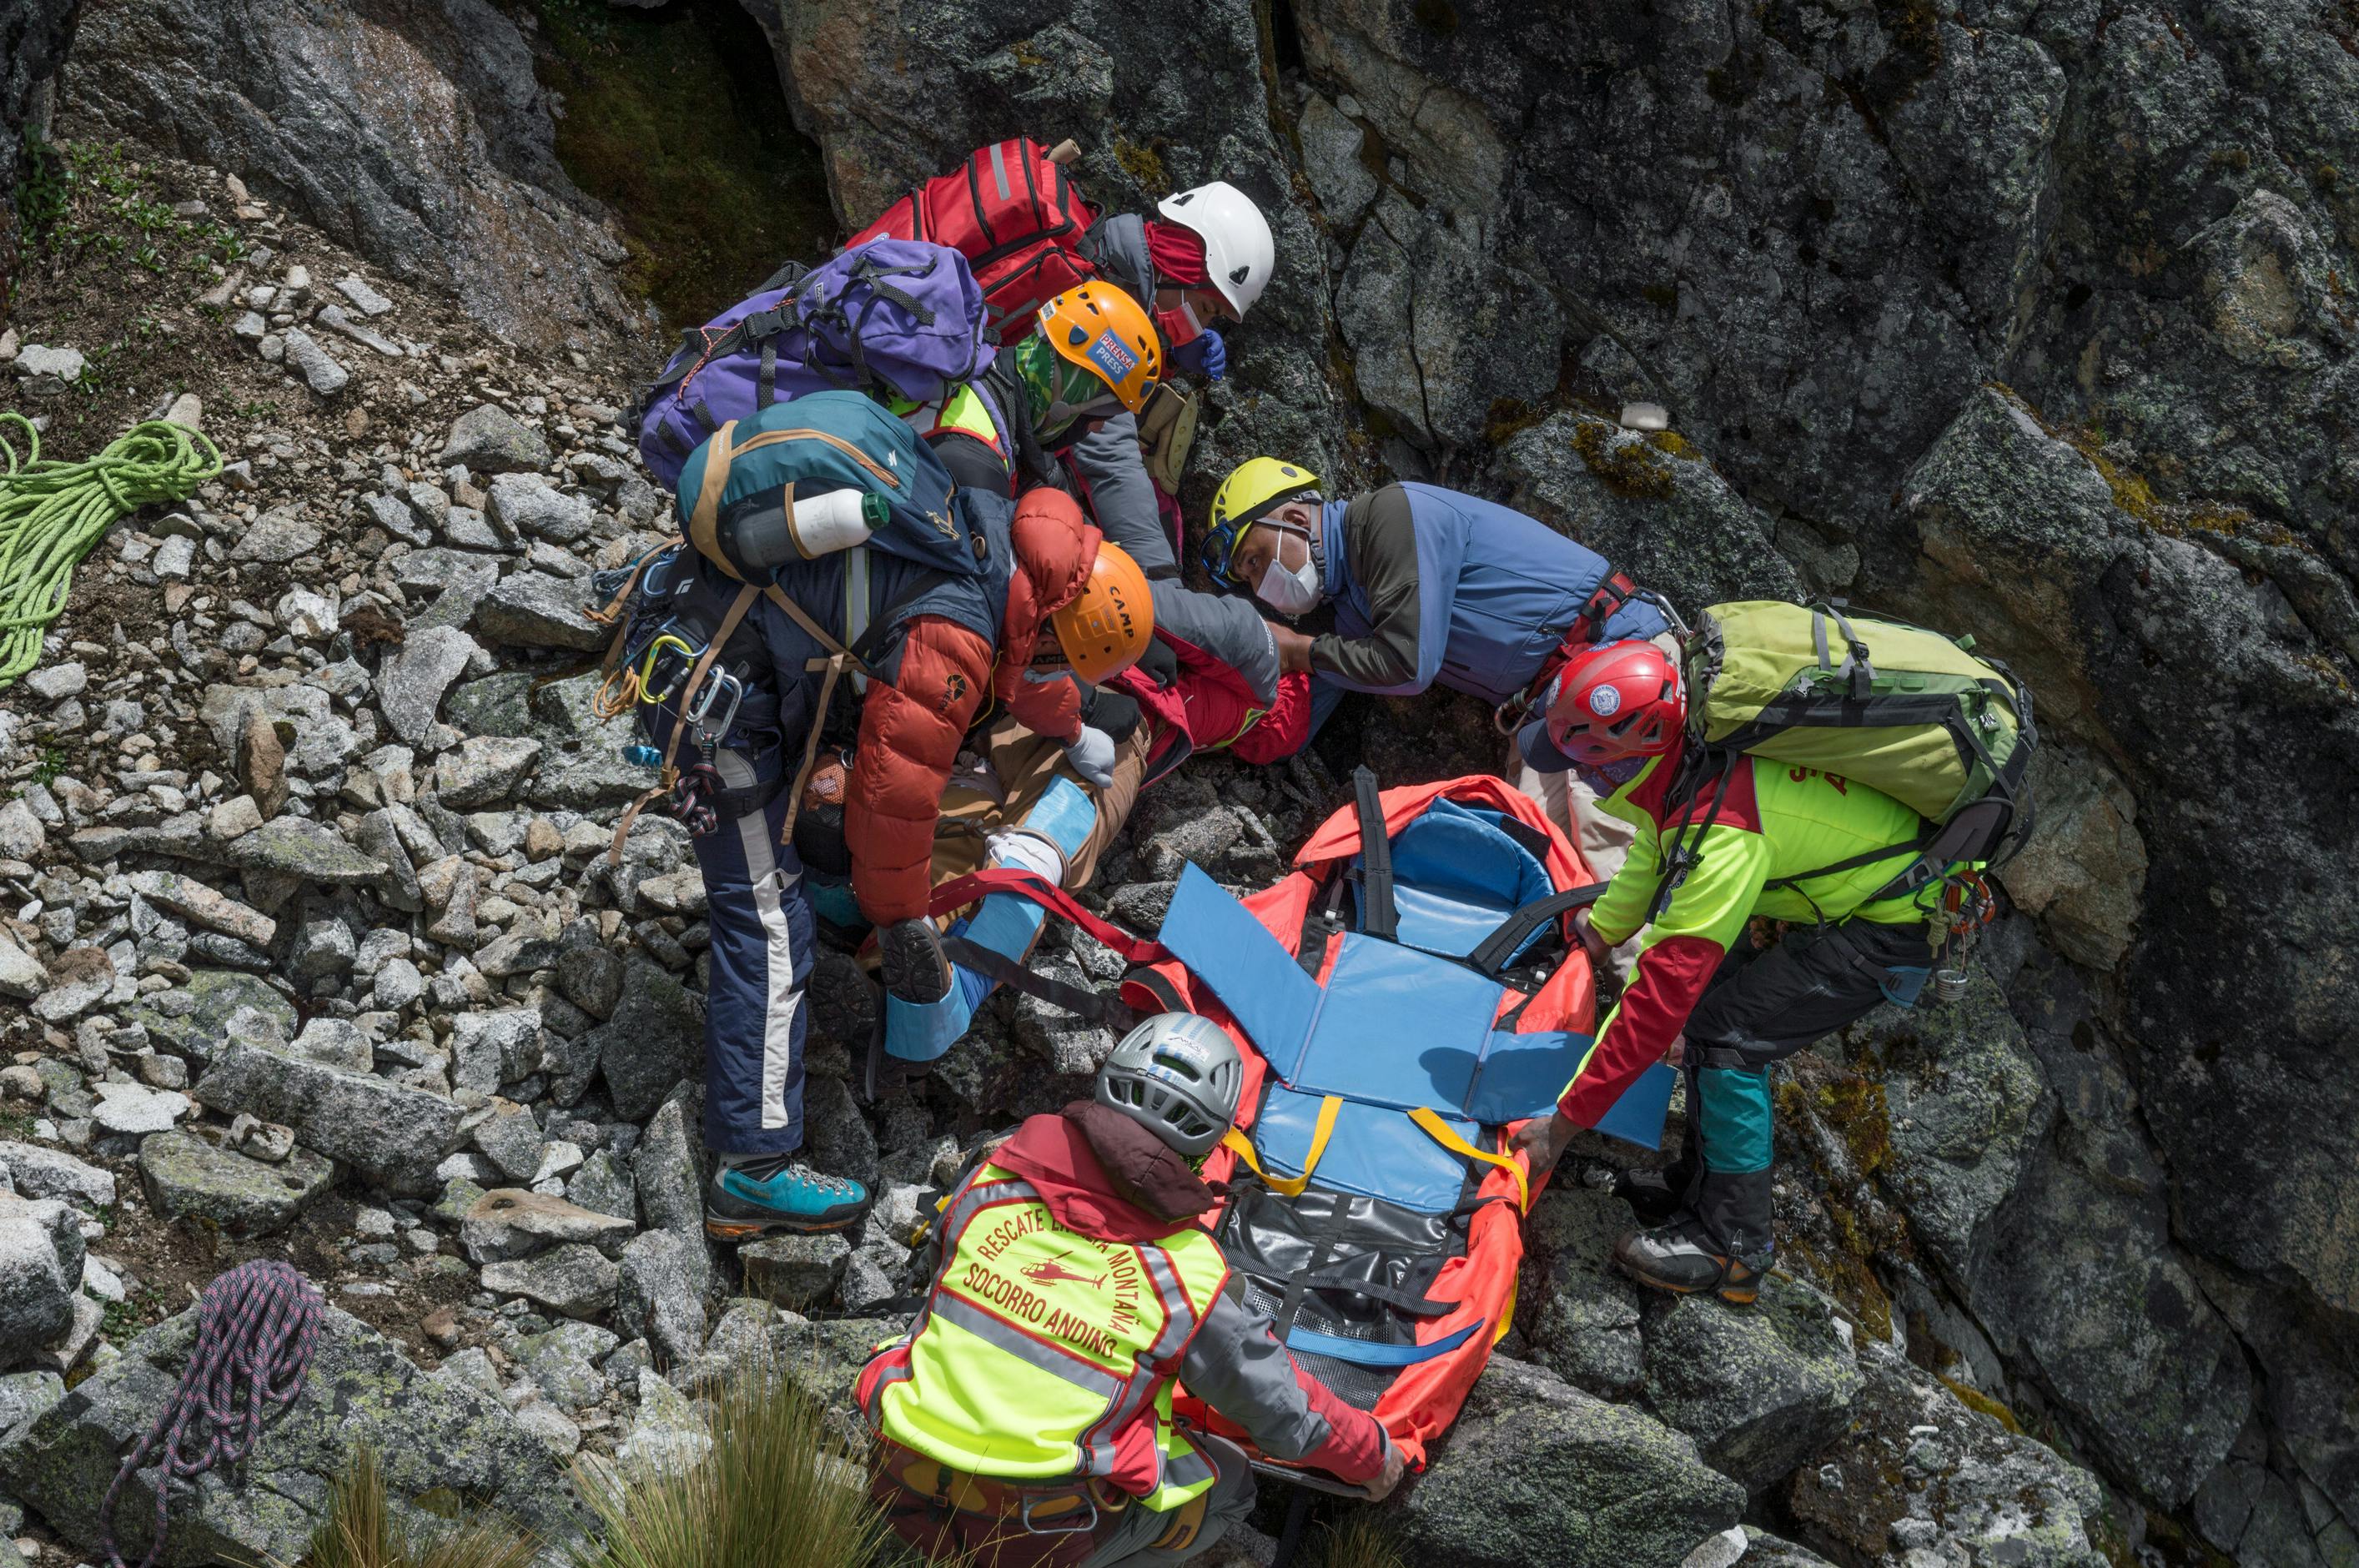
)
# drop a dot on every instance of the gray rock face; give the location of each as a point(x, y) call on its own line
point(1534, 1471)
point(423, 142)
point(1650, 505)
point(194, 1019)
point(34, 34)
point(40, 1273)
point(533, 609)
point(562, 1362)
point(485, 771)
point(185, 1175)
point(574, 1279)
point(525, 503)
point(488, 439)
point(506, 1223)
point(795, 1271)
point(428, 1434)
point(658, 1297)
point(1759, 1391)
point(651, 1041)
point(1918, 1469)
point(412, 685)
point(394, 1137)
point(38, 1173)
point(1585, 1328)
point(1440, 329)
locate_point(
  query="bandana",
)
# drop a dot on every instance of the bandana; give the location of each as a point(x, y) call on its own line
point(1178, 253)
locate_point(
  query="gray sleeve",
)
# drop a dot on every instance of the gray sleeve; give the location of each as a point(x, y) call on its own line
point(1226, 625)
point(1236, 1366)
point(1121, 495)
point(1383, 559)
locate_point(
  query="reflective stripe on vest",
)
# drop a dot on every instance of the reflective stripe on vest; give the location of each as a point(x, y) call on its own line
point(1040, 1349)
point(964, 412)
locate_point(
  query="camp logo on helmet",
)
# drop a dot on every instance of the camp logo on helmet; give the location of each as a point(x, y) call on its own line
point(1604, 702)
point(1110, 356)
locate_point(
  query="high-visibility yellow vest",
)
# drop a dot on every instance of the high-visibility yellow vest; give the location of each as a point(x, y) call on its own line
point(964, 411)
point(1039, 1346)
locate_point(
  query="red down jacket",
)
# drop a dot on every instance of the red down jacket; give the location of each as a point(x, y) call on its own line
point(934, 675)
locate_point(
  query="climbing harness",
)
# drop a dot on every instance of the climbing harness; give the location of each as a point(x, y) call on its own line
point(53, 513)
point(257, 1325)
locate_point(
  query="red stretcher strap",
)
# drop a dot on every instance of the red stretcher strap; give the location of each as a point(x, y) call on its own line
point(961, 891)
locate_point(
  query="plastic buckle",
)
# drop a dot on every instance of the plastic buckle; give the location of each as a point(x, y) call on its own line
point(1024, 1516)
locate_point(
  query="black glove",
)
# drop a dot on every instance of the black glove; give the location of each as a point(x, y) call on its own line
point(1159, 663)
point(1115, 713)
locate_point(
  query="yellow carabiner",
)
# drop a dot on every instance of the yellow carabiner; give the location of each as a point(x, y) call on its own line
point(647, 666)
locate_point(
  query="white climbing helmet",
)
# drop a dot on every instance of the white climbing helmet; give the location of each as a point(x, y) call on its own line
point(1238, 250)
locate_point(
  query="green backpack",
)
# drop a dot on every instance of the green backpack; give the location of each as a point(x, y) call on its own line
point(1916, 714)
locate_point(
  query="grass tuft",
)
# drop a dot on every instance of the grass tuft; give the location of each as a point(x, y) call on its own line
point(360, 1531)
point(1358, 1541)
point(772, 1492)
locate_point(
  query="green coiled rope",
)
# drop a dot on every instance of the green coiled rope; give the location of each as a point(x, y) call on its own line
point(52, 514)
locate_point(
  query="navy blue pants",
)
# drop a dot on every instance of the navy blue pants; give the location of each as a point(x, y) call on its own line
point(755, 1017)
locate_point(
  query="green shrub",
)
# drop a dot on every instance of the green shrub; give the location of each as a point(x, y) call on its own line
point(773, 1491)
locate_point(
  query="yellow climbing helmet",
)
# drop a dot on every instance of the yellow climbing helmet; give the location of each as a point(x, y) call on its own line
point(1252, 490)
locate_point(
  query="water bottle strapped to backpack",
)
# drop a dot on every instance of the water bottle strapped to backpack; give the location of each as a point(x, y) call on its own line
point(829, 473)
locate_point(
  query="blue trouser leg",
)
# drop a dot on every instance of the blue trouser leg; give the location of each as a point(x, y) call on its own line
point(754, 1021)
point(1325, 695)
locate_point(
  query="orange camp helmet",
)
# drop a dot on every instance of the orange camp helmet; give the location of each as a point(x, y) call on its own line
point(1106, 333)
point(1106, 627)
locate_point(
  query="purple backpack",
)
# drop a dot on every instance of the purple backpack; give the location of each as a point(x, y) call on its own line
point(894, 317)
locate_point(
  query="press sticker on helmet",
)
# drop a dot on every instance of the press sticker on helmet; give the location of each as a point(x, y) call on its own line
point(1110, 356)
point(1604, 700)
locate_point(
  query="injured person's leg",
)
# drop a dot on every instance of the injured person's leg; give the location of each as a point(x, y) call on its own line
point(1022, 807)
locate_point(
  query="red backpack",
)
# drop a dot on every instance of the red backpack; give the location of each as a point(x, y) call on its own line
point(1015, 216)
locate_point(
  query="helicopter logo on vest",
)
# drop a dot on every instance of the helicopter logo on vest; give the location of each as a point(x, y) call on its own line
point(1054, 1272)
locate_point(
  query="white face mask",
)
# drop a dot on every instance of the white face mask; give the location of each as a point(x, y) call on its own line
point(1290, 590)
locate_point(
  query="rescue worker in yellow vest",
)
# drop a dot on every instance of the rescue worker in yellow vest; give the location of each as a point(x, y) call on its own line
point(1761, 841)
point(1026, 1419)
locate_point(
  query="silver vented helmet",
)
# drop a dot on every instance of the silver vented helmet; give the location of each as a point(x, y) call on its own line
point(1178, 1075)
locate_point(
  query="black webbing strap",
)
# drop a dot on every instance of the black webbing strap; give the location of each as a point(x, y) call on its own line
point(1378, 915)
point(1099, 1007)
point(1320, 922)
point(1686, 846)
point(1494, 952)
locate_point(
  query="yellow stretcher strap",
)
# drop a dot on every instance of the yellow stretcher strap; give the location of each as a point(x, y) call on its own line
point(1291, 1186)
point(1442, 1133)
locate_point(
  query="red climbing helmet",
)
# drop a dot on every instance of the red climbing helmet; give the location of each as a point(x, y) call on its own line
point(1621, 700)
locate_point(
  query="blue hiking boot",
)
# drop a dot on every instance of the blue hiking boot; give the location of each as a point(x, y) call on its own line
point(743, 1202)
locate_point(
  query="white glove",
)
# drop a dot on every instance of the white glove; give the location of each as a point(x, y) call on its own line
point(1092, 754)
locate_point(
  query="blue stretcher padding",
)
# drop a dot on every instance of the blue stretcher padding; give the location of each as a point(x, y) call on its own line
point(1399, 1027)
point(1373, 1150)
point(1457, 875)
point(1637, 1116)
point(1361, 1352)
point(1394, 1029)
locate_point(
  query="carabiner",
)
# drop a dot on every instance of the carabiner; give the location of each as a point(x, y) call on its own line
point(647, 693)
point(699, 709)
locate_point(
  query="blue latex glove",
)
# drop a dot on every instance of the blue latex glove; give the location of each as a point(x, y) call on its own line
point(1203, 354)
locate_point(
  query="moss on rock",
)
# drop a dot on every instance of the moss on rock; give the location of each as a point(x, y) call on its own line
point(674, 118)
